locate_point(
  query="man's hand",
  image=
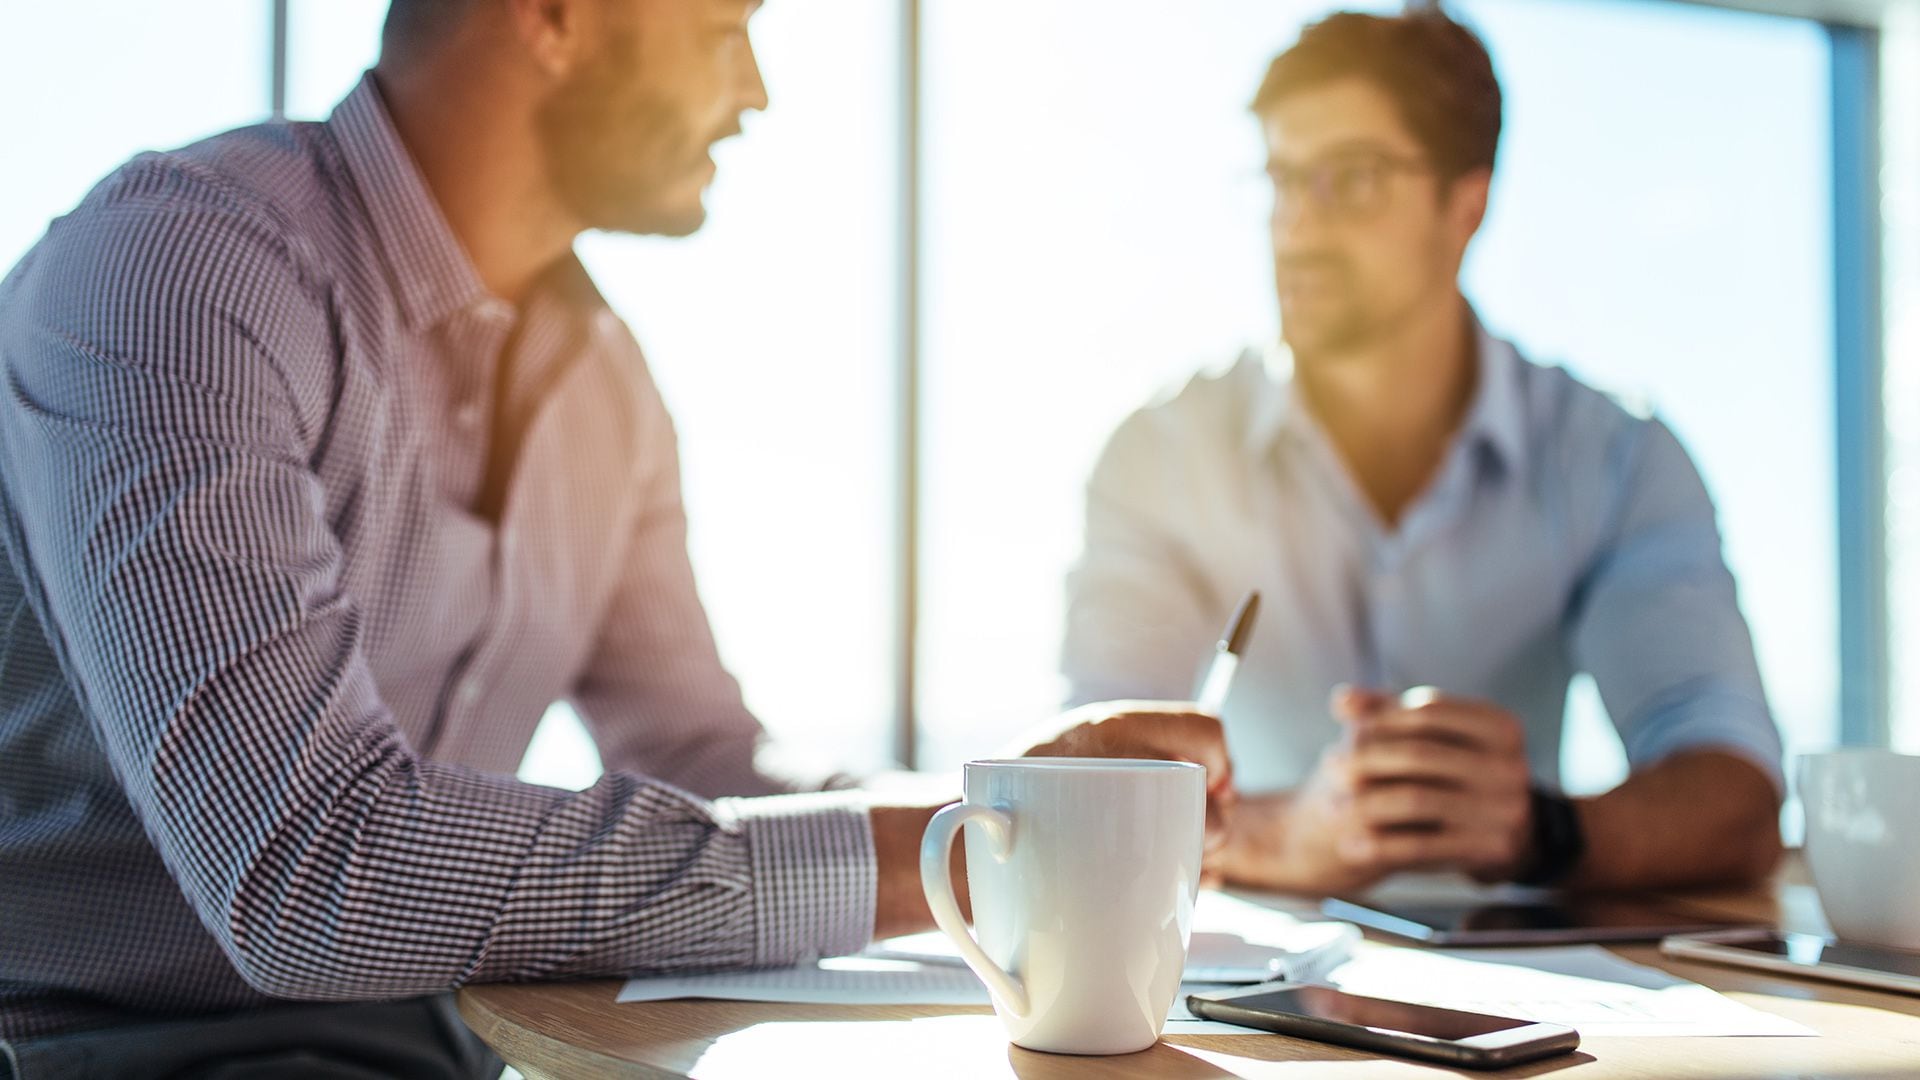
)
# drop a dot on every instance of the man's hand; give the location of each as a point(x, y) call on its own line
point(1437, 782)
point(1172, 731)
point(1292, 841)
point(1423, 781)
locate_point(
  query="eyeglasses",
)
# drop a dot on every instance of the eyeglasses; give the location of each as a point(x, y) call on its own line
point(1346, 186)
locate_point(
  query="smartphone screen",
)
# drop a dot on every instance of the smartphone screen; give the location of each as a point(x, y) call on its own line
point(1337, 1006)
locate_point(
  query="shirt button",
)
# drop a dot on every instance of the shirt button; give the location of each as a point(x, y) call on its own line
point(469, 693)
point(467, 416)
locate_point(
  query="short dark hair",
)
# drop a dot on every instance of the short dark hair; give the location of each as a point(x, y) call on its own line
point(1436, 71)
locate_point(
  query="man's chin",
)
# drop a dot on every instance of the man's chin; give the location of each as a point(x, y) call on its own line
point(685, 223)
point(1310, 339)
point(655, 220)
point(646, 207)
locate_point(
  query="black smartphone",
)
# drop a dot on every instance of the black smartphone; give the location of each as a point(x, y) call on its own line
point(1472, 1040)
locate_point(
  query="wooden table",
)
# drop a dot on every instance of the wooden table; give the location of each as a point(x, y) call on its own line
point(577, 1030)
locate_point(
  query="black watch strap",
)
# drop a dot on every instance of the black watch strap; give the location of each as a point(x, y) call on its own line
point(1557, 841)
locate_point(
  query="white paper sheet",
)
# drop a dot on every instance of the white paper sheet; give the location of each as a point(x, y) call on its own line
point(856, 980)
point(1229, 932)
point(1234, 941)
point(958, 1047)
point(844, 980)
point(1584, 987)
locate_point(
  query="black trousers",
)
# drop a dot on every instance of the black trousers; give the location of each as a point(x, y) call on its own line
point(422, 1038)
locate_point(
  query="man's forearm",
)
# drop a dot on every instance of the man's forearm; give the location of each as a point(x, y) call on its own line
point(1252, 859)
point(900, 904)
point(1698, 818)
point(1261, 856)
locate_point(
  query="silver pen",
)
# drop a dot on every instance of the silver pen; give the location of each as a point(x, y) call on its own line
point(1226, 656)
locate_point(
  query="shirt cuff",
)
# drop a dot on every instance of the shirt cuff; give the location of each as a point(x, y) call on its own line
point(1725, 722)
point(814, 874)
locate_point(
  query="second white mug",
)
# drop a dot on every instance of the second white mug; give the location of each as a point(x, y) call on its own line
point(1083, 873)
point(1863, 842)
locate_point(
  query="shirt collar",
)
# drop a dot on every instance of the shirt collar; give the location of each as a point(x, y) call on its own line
point(1273, 405)
point(1494, 419)
point(432, 274)
point(1497, 418)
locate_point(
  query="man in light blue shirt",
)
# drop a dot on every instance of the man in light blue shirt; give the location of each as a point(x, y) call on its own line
point(1443, 533)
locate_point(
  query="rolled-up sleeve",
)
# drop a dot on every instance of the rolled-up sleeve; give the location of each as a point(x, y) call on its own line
point(1656, 619)
point(155, 460)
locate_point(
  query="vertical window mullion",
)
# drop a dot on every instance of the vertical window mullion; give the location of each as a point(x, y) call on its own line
point(277, 62)
point(1859, 367)
point(908, 405)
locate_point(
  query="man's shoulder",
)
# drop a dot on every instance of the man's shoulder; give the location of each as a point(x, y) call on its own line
point(224, 235)
point(1573, 419)
point(268, 188)
point(1186, 448)
point(1211, 409)
point(1594, 449)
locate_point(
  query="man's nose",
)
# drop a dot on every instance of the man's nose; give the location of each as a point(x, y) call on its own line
point(1295, 220)
point(753, 89)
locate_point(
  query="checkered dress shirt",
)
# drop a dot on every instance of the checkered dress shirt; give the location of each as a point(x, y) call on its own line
point(265, 670)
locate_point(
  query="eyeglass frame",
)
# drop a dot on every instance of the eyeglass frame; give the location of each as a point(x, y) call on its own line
point(1313, 180)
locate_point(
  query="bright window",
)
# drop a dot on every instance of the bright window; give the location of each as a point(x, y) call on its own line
point(1662, 223)
point(90, 83)
point(772, 335)
point(329, 43)
point(1900, 125)
point(1094, 230)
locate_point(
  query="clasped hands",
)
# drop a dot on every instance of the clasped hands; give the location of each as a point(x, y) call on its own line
point(1418, 781)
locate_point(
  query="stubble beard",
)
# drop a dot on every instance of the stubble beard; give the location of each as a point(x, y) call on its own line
point(615, 155)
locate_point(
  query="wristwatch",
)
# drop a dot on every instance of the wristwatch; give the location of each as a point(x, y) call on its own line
point(1557, 841)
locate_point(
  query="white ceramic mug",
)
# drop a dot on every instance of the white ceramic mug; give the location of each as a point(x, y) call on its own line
point(1083, 873)
point(1863, 843)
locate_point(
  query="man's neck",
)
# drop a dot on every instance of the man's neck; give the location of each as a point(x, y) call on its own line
point(1392, 407)
point(481, 160)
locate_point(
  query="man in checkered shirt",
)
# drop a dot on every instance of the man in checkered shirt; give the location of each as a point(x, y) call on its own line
point(324, 470)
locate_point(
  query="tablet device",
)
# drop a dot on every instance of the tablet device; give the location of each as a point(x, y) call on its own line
point(1552, 921)
point(1807, 956)
point(1473, 1040)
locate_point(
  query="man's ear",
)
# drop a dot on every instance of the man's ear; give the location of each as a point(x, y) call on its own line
point(1467, 198)
point(553, 32)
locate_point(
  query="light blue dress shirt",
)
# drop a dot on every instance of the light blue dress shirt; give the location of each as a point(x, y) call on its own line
point(1564, 532)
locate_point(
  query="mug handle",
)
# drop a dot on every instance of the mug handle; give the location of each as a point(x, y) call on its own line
point(936, 877)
